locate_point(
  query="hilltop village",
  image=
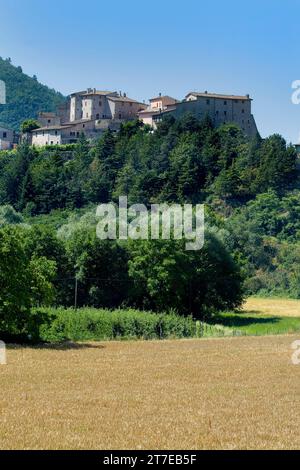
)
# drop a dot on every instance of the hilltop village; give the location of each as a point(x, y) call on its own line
point(91, 112)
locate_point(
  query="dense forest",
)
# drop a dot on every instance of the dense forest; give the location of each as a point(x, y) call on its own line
point(48, 201)
point(26, 97)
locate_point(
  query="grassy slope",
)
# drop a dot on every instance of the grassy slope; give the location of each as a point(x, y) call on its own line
point(25, 96)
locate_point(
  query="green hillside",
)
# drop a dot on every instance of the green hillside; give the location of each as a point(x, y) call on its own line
point(25, 96)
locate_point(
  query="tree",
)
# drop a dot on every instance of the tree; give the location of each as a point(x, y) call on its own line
point(24, 282)
point(29, 125)
point(165, 276)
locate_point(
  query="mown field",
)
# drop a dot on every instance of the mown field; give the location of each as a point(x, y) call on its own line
point(273, 306)
point(263, 316)
point(222, 393)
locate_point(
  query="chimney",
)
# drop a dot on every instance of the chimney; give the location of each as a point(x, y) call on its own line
point(120, 93)
point(159, 94)
point(206, 92)
point(124, 95)
point(248, 96)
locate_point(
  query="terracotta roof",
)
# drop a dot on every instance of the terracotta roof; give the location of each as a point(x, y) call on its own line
point(52, 128)
point(150, 111)
point(67, 125)
point(124, 99)
point(157, 98)
point(216, 95)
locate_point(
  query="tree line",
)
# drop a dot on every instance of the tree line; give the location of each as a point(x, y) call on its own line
point(48, 244)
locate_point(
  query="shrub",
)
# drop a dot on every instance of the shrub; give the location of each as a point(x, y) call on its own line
point(89, 324)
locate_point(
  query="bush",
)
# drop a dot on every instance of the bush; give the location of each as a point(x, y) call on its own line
point(91, 325)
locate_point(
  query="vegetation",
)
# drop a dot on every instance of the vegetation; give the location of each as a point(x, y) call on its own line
point(48, 199)
point(26, 97)
point(29, 125)
point(92, 324)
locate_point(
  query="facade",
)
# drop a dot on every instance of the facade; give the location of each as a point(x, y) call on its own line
point(156, 107)
point(91, 112)
point(222, 109)
point(88, 112)
point(7, 138)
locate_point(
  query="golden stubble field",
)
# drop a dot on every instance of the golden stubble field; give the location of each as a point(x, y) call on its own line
point(275, 306)
point(231, 393)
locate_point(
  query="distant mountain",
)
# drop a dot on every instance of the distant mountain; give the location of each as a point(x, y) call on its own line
point(25, 96)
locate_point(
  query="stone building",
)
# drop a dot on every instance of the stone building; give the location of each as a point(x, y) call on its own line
point(220, 108)
point(7, 138)
point(156, 107)
point(88, 112)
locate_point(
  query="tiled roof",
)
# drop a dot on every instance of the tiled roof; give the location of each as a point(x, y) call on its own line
point(158, 98)
point(53, 128)
point(216, 95)
point(124, 99)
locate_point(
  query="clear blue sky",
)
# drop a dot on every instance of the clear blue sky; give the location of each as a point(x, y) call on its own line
point(172, 47)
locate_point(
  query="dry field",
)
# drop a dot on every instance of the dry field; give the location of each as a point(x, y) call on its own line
point(275, 306)
point(233, 393)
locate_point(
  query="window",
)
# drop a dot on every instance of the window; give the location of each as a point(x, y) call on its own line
point(225, 113)
point(207, 101)
point(49, 121)
point(120, 116)
point(83, 126)
point(217, 113)
point(87, 115)
point(130, 104)
point(4, 135)
point(55, 132)
point(100, 103)
point(97, 116)
point(225, 103)
point(243, 111)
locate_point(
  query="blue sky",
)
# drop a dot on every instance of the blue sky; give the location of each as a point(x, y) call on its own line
point(172, 47)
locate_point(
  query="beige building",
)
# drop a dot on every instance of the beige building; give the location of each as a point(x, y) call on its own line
point(220, 108)
point(7, 138)
point(156, 107)
point(88, 112)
